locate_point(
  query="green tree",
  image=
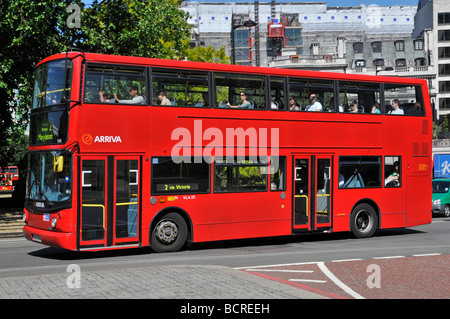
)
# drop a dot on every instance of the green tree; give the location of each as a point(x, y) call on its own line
point(152, 28)
point(208, 54)
point(32, 30)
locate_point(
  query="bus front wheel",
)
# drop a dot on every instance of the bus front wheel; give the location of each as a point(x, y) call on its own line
point(169, 233)
point(363, 221)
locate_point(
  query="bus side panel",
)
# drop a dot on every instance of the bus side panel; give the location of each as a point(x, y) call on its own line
point(418, 200)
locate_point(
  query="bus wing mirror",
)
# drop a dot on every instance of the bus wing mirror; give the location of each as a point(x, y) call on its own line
point(58, 164)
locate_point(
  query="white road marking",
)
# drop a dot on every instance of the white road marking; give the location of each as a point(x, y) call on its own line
point(309, 280)
point(337, 282)
point(279, 270)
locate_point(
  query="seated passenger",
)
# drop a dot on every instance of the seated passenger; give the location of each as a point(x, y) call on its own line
point(103, 96)
point(396, 107)
point(353, 107)
point(376, 108)
point(293, 106)
point(135, 97)
point(162, 99)
point(314, 105)
point(244, 105)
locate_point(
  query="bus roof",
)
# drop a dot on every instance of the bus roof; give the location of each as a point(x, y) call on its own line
point(204, 66)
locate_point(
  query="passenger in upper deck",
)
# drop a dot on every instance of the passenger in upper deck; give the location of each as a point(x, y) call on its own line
point(314, 105)
point(396, 109)
point(103, 96)
point(245, 103)
point(135, 97)
point(162, 99)
point(293, 106)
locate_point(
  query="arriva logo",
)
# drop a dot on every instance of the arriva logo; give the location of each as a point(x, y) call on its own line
point(89, 140)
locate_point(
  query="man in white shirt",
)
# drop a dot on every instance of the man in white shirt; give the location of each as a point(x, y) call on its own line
point(396, 107)
point(314, 106)
point(135, 97)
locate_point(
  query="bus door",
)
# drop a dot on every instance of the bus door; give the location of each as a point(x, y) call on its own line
point(312, 192)
point(109, 207)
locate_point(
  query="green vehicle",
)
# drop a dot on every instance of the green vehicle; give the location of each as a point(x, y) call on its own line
point(441, 196)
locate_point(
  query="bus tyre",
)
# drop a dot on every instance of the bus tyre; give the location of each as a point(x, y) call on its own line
point(169, 233)
point(363, 221)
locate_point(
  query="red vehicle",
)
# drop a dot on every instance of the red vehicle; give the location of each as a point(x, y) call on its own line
point(133, 152)
point(10, 174)
point(8, 178)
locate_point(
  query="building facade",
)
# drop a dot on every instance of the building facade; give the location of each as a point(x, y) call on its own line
point(312, 36)
point(432, 26)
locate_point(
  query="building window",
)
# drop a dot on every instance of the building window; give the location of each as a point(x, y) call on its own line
point(444, 103)
point(443, 35)
point(418, 45)
point(400, 63)
point(444, 53)
point(358, 47)
point(360, 63)
point(378, 62)
point(399, 46)
point(444, 69)
point(444, 86)
point(420, 62)
point(376, 47)
point(443, 18)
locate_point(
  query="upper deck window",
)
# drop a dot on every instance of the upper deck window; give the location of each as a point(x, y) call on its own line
point(180, 88)
point(311, 95)
point(115, 84)
point(403, 99)
point(356, 97)
point(52, 83)
point(241, 91)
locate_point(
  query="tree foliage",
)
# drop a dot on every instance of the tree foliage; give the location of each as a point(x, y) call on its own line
point(32, 30)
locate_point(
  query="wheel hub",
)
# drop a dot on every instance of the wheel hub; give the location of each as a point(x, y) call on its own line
point(166, 232)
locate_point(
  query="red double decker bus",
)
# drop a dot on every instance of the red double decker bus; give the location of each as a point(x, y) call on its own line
point(133, 152)
point(9, 176)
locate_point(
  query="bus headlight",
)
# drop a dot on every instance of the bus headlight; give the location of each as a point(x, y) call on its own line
point(437, 202)
point(54, 222)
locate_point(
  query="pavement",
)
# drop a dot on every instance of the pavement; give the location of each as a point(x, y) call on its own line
point(153, 282)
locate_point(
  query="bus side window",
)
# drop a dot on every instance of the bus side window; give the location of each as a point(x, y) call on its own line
point(311, 95)
point(359, 171)
point(230, 86)
point(278, 173)
point(392, 171)
point(403, 100)
point(277, 95)
point(181, 88)
point(356, 97)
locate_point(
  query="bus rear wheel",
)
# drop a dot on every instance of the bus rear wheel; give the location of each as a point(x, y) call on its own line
point(169, 233)
point(363, 221)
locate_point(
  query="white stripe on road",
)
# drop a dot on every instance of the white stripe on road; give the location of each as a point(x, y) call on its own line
point(339, 283)
point(278, 270)
point(309, 280)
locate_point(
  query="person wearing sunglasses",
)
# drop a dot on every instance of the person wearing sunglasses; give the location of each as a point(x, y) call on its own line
point(245, 104)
